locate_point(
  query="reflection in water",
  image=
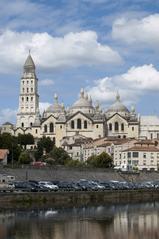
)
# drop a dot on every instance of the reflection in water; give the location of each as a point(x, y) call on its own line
point(130, 221)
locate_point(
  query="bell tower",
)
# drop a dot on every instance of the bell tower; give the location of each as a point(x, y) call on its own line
point(28, 111)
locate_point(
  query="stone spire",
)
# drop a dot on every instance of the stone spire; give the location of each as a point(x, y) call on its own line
point(117, 96)
point(56, 98)
point(29, 66)
point(28, 113)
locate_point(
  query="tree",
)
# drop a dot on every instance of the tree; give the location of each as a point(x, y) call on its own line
point(25, 139)
point(24, 158)
point(103, 160)
point(43, 144)
point(10, 142)
point(59, 155)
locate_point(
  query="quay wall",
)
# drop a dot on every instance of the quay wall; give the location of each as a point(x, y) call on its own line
point(65, 199)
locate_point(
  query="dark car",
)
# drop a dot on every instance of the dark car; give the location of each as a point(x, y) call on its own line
point(24, 186)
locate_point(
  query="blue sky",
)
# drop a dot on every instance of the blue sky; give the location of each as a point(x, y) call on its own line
point(103, 46)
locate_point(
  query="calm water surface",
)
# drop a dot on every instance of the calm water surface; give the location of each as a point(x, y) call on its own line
point(128, 221)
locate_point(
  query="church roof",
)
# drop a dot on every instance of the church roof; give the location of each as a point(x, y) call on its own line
point(118, 106)
point(56, 107)
point(29, 63)
point(83, 102)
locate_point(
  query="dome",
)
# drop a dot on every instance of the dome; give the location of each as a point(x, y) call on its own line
point(56, 107)
point(84, 103)
point(118, 107)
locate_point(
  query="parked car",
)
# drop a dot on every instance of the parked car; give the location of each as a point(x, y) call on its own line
point(24, 186)
point(38, 164)
point(50, 186)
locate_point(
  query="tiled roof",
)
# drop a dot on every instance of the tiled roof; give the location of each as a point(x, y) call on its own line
point(142, 149)
point(3, 153)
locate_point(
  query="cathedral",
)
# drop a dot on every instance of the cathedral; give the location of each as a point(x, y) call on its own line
point(82, 117)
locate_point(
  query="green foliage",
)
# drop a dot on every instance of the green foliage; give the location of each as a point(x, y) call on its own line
point(74, 163)
point(25, 139)
point(43, 144)
point(59, 155)
point(10, 142)
point(103, 160)
point(25, 158)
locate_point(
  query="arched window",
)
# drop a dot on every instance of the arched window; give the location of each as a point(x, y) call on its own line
point(27, 99)
point(116, 126)
point(72, 124)
point(51, 127)
point(45, 128)
point(22, 98)
point(85, 124)
point(79, 124)
point(110, 127)
point(122, 127)
point(22, 124)
point(31, 124)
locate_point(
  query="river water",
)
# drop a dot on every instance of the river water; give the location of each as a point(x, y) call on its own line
point(113, 221)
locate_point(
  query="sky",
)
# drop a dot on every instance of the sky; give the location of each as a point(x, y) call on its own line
point(103, 46)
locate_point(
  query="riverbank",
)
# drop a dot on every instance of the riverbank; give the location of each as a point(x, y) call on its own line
point(65, 199)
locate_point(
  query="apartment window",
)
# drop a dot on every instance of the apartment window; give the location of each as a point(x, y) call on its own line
point(60, 126)
point(31, 89)
point(152, 155)
point(97, 126)
point(36, 131)
point(31, 124)
point(144, 155)
point(135, 154)
point(27, 90)
point(31, 98)
point(129, 154)
point(22, 124)
point(27, 99)
point(132, 128)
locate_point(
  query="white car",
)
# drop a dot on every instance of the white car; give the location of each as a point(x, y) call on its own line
point(49, 185)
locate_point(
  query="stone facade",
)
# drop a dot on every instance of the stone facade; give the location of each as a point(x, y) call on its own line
point(81, 118)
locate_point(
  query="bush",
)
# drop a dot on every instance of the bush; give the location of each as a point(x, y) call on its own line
point(59, 156)
point(74, 163)
point(103, 160)
point(25, 158)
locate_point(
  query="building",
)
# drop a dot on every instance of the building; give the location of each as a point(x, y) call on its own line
point(81, 118)
point(4, 156)
point(144, 155)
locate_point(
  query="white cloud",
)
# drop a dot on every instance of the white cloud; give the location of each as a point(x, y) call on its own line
point(46, 82)
point(7, 115)
point(74, 49)
point(136, 82)
point(132, 31)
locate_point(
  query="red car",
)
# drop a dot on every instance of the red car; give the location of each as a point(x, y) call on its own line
point(38, 164)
